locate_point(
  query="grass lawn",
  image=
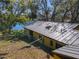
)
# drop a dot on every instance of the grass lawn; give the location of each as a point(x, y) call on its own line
point(12, 50)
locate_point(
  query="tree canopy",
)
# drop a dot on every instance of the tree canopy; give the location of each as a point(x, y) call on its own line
point(11, 13)
point(55, 10)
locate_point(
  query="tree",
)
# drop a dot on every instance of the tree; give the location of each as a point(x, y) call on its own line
point(75, 12)
point(11, 12)
point(64, 10)
point(55, 4)
point(32, 7)
point(44, 10)
point(39, 9)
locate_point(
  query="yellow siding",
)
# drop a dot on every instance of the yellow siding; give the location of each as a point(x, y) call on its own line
point(47, 42)
point(35, 35)
point(54, 44)
point(56, 56)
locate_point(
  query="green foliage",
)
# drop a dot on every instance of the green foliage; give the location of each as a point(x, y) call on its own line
point(10, 18)
point(33, 8)
point(18, 33)
point(21, 19)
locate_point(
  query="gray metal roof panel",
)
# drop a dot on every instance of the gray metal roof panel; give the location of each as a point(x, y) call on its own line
point(76, 42)
point(55, 31)
point(71, 51)
point(73, 39)
point(70, 37)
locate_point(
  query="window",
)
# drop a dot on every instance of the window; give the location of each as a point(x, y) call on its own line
point(51, 43)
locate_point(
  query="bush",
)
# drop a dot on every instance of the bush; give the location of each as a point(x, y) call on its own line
point(18, 33)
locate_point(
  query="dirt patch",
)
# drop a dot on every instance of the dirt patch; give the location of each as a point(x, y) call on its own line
point(14, 51)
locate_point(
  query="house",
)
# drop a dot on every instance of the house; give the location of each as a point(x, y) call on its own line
point(53, 34)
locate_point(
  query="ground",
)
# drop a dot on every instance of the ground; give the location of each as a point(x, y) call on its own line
point(13, 50)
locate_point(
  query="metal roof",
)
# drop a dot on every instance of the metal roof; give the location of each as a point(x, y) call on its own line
point(62, 32)
point(69, 50)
